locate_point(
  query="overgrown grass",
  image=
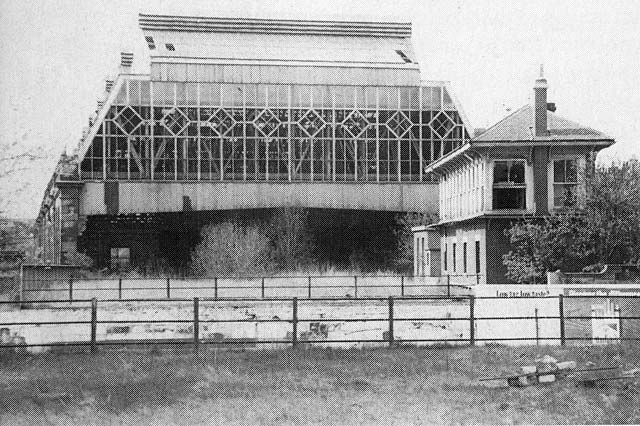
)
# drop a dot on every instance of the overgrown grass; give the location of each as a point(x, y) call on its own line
point(308, 386)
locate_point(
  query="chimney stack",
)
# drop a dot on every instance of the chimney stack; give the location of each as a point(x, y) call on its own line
point(540, 106)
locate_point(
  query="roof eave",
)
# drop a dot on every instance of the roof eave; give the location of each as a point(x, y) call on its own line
point(544, 142)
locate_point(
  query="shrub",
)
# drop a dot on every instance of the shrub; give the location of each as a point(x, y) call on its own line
point(229, 248)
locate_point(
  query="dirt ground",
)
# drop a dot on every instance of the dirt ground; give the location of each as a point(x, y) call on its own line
point(371, 386)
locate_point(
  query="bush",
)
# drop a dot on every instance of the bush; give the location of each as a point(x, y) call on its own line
point(231, 249)
point(291, 243)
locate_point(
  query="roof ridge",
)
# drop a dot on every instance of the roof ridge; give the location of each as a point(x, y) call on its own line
point(285, 20)
point(273, 26)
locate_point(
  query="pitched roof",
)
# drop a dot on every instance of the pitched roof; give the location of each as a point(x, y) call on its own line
point(518, 126)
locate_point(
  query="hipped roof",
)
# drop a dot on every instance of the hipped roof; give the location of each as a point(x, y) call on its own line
point(520, 125)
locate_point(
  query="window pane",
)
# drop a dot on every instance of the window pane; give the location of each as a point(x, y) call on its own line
point(571, 171)
point(500, 171)
point(558, 171)
point(564, 195)
point(464, 257)
point(509, 198)
point(516, 172)
point(453, 260)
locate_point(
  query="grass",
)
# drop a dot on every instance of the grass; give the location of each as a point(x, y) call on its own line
point(401, 386)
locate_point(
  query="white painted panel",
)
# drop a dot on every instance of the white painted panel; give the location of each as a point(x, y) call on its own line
point(139, 197)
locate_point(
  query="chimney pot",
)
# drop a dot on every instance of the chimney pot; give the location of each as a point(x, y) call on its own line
point(540, 105)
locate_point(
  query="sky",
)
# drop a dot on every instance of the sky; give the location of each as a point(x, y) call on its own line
point(55, 56)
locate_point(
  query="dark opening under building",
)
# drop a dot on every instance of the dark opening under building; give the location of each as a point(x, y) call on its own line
point(243, 115)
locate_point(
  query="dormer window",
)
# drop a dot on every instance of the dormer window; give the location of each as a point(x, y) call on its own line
point(509, 187)
point(565, 182)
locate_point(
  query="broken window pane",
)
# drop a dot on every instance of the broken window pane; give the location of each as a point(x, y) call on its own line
point(120, 257)
point(516, 172)
point(500, 171)
point(558, 171)
point(509, 198)
point(572, 171)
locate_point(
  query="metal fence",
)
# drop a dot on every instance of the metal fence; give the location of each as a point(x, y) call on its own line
point(472, 318)
point(249, 287)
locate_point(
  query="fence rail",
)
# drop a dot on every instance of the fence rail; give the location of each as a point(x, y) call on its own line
point(295, 338)
point(305, 286)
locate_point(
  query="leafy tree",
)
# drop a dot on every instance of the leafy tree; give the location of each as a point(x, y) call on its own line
point(560, 241)
point(613, 212)
point(404, 236)
point(291, 242)
point(606, 230)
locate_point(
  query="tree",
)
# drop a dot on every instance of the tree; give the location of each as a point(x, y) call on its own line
point(613, 210)
point(14, 159)
point(560, 241)
point(291, 242)
point(606, 230)
point(404, 236)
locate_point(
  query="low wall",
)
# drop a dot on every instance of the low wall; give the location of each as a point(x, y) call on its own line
point(318, 321)
point(505, 314)
point(585, 310)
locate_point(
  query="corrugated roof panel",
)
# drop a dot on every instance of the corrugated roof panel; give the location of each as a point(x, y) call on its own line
point(274, 26)
point(279, 47)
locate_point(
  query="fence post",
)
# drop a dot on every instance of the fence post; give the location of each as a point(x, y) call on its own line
point(477, 279)
point(294, 322)
point(391, 337)
point(448, 285)
point(196, 324)
point(263, 287)
point(472, 320)
point(355, 286)
point(215, 287)
point(120, 288)
point(94, 324)
point(561, 312)
point(537, 328)
point(402, 285)
point(309, 287)
point(621, 339)
point(71, 287)
point(168, 288)
point(21, 284)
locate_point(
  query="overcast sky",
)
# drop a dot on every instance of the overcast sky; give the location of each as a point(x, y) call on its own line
point(55, 55)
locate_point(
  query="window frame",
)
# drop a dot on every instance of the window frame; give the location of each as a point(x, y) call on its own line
point(119, 262)
point(553, 184)
point(509, 185)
